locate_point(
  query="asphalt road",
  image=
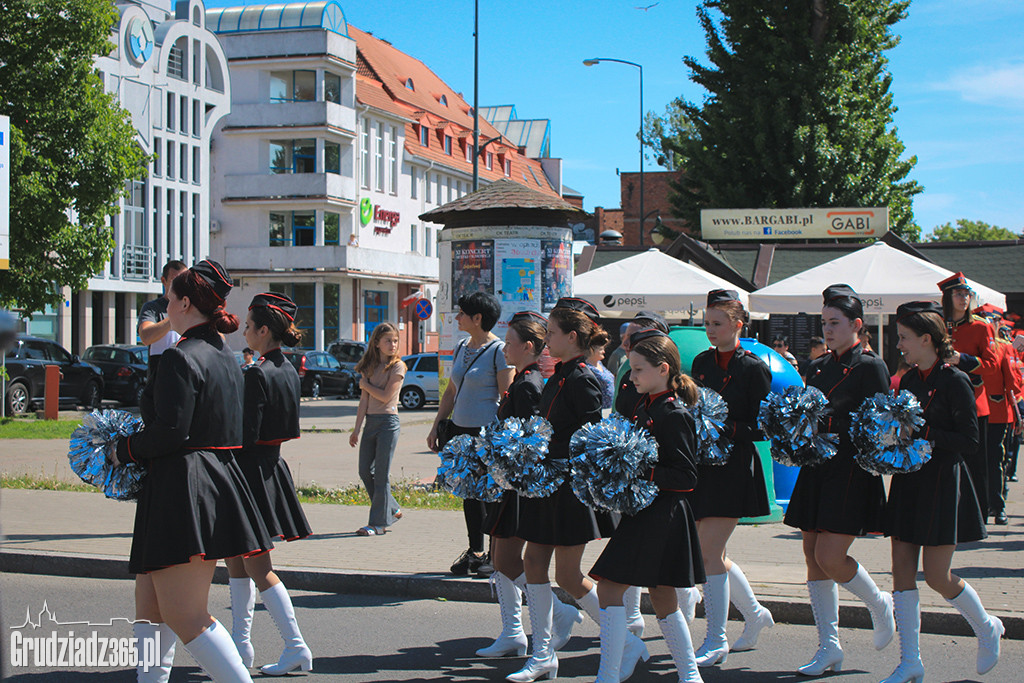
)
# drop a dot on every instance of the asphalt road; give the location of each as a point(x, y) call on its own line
point(373, 638)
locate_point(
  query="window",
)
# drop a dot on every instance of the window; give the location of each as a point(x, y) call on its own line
point(183, 162)
point(196, 237)
point(414, 176)
point(447, 190)
point(428, 236)
point(173, 250)
point(304, 296)
point(171, 109)
point(183, 114)
point(195, 165)
point(159, 252)
point(427, 364)
point(424, 136)
point(409, 84)
point(293, 86)
point(437, 189)
point(332, 228)
point(332, 157)
point(293, 156)
point(176, 59)
point(375, 305)
point(332, 87)
point(278, 230)
point(158, 144)
point(490, 161)
point(426, 186)
point(469, 150)
point(443, 100)
point(412, 237)
point(364, 151)
point(295, 229)
point(448, 145)
point(508, 168)
point(378, 155)
point(170, 159)
point(182, 225)
point(393, 160)
point(197, 122)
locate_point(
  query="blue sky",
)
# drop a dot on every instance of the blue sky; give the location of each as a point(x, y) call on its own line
point(958, 80)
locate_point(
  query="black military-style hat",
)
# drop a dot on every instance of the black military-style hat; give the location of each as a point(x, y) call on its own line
point(721, 296)
point(277, 301)
point(215, 275)
point(580, 305)
point(955, 281)
point(909, 309)
point(653, 318)
point(529, 316)
point(833, 292)
point(640, 336)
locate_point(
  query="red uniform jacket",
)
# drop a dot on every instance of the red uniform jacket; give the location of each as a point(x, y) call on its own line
point(974, 337)
point(1003, 388)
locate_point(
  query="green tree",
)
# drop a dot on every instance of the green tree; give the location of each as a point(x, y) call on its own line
point(968, 231)
point(73, 147)
point(797, 112)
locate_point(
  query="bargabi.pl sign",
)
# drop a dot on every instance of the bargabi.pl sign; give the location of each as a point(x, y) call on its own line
point(790, 224)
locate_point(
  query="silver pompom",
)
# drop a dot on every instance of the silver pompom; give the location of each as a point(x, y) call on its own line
point(710, 414)
point(463, 473)
point(881, 432)
point(609, 461)
point(790, 422)
point(92, 440)
point(516, 456)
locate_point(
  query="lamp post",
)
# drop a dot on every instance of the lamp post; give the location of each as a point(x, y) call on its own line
point(598, 60)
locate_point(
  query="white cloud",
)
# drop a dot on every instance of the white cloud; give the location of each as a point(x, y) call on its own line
point(1002, 85)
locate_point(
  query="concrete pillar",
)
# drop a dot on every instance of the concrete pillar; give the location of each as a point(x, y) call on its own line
point(318, 316)
point(65, 318)
point(109, 330)
point(84, 315)
point(131, 319)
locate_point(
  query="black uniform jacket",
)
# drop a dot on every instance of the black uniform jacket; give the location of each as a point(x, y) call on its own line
point(195, 403)
point(672, 426)
point(847, 380)
point(272, 389)
point(743, 384)
point(947, 401)
point(571, 399)
point(628, 398)
point(523, 395)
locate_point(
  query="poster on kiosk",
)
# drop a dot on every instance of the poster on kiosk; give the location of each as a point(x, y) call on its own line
point(528, 268)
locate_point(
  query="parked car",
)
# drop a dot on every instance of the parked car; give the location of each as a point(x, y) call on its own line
point(320, 372)
point(124, 370)
point(348, 352)
point(420, 383)
point(80, 384)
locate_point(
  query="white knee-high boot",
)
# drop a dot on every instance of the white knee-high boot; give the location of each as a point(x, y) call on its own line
point(987, 628)
point(564, 619)
point(677, 638)
point(613, 641)
point(755, 616)
point(243, 602)
point(162, 649)
point(907, 606)
point(688, 599)
point(715, 648)
point(542, 661)
point(510, 601)
point(296, 653)
point(879, 604)
point(214, 650)
point(591, 605)
point(825, 605)
point(634, 620)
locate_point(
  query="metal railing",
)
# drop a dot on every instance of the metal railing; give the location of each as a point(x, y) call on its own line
point(137, 262)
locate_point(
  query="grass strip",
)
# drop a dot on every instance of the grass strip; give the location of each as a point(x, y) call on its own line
point(19, 428)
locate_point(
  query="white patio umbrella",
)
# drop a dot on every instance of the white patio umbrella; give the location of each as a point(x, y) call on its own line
point(650, 281)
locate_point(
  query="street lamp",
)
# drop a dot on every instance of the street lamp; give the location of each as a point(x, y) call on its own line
point(598, 60)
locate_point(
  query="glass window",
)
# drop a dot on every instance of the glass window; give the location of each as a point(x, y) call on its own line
point(332, 313)
point(428, 238)
point(195, 165)
point(304, 228)
point(508, 168)
point(170, 158)
point(412, 237)
point(279, 233)
point(448, 145)
point(332, 157)
point(414, 180)
point(280, 86)
point(196, 237)
point(305, 86)
point(426, 187)
point(490, 161)
point(427, 364)
point(364, 151)
point(158, 145)
point(424, 136)
point(332, 228)
point(469, 150)
point(293, 86)
point(378, 155)
point(280, 157)
point(375, 305)
point(305, 156)
point(183, 162)
point(304, 296)
point(197, 121)
point(182, 228)
point(332, 88)
point(393, 159)
point(171, 106)
point(183, 114)
point(173, 250)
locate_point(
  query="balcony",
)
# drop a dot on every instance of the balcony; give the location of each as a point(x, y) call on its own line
point(289, 186)
point(373, 262)
point(290, 115)
point(136, 263)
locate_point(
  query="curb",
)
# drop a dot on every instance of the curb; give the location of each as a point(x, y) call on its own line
point(444, 587)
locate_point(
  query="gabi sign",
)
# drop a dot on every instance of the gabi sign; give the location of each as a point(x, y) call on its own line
point(793, 224)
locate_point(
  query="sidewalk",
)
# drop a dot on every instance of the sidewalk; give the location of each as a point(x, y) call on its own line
point(84, 534)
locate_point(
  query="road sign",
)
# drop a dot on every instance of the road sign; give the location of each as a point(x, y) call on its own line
point(423, 309)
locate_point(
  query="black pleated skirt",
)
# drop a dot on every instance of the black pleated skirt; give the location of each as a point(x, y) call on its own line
point(561, 519)
point(272, 487)
point(502, 517)
point(735, 489)
point(195, 503)
point(656, 547)
point(935, 505)
point(837, 496)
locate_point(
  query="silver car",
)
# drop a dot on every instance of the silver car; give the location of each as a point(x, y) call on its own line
point(420, 383)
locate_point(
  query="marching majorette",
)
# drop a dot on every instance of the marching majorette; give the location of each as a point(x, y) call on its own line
point(658, 547)
point(560, 524)
point(935, 507)
point(836, 501)
point(270, 418)
point(736, 489)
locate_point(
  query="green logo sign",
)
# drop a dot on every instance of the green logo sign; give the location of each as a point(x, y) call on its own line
point(365, 211)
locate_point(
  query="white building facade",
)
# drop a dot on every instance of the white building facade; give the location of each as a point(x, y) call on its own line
point(170, 73)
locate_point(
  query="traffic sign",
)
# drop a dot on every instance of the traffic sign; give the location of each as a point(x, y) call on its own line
point(424, 309)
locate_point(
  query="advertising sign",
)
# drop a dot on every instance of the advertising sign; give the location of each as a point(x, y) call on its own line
point(472, 268)
point(557, 271)
point(793, 224)
point(5, 192)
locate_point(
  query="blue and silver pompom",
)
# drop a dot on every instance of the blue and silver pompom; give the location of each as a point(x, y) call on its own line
point(516, 456)
point(710, 414)
point(882, 434)
point(609, 463)
point(93, 440)
point(463, 473)
point(790, 422)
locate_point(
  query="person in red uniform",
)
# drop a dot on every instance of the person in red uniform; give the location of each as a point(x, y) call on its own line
point(1003, 389)
point(975, 354)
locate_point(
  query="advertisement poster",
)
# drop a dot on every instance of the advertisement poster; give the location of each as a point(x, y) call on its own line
point(518, 287)
point(472, 268)
point(557, 271)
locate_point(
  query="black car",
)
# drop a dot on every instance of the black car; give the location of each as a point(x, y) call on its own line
point(80, 383)
point(124, 370)
point(348, 352)
point(320, 372)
